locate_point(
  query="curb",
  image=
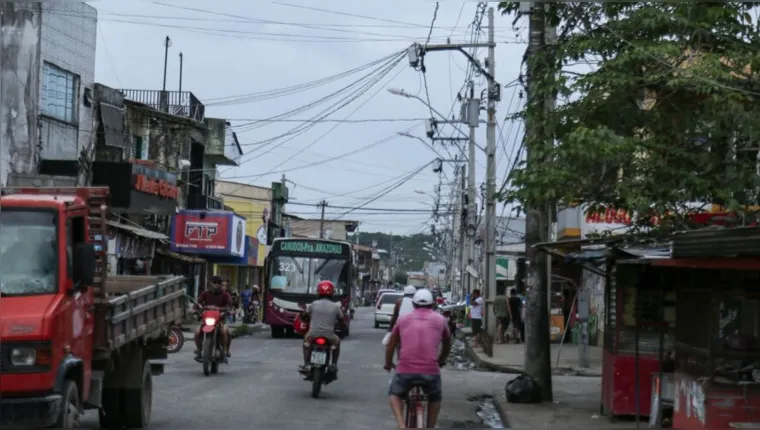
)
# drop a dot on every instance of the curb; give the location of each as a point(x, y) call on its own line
point(500, 402)
point(486, 365)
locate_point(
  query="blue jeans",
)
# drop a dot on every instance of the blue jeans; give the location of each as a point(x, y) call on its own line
point(402, 384)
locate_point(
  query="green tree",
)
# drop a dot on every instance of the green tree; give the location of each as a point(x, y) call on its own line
point(665, 111)
point(400, 277)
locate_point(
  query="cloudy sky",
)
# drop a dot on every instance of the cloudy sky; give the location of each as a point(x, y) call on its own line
point(238, 54)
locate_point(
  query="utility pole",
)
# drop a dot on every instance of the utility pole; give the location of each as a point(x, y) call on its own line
point(462, 262)
point(537, 346)
point(181, 65)
point(473, 118)
point(167, 44)
point(323, 205)
point(452, 253)
point(489, 286)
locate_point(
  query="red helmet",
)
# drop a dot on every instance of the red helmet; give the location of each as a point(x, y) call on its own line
point(325, 289)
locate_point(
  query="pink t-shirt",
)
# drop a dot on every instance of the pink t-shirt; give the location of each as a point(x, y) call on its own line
point(421, 333)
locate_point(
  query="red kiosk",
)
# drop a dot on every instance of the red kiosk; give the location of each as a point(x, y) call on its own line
point(639, 324)
point(717, 377)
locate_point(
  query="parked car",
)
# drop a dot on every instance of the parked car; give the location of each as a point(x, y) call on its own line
point(384, 308)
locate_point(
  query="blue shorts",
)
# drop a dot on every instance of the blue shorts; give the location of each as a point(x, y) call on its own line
point(402, 384)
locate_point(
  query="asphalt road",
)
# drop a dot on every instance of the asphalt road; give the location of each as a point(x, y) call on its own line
point(261, 386)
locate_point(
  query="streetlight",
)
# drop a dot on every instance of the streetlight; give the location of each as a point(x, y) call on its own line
point(402, 93)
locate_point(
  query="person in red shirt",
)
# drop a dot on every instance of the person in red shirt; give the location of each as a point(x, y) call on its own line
point(214, 296)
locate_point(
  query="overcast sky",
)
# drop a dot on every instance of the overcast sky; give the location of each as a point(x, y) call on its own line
point(235, 49)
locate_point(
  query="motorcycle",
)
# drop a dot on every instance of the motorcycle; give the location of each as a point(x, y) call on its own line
point(176, 339)
point(321, 372)
point(212, 352)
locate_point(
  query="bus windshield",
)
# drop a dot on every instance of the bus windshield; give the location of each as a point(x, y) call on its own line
point(300, 275)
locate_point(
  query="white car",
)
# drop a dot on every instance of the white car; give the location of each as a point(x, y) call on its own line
point(384, 308)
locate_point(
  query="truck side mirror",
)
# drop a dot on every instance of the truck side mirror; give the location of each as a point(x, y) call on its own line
point(84, 264)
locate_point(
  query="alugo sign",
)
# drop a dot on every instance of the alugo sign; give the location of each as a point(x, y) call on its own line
point(311, 247)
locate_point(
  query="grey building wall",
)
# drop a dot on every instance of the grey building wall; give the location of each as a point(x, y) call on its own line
point(68, 41)
point(19, 87)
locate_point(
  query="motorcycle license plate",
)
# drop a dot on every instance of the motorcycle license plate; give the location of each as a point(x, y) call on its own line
point(319, 357)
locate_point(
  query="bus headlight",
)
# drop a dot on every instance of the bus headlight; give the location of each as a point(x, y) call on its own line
point(23, 356)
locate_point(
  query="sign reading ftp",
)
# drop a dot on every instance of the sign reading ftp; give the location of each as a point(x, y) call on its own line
point(201, 230)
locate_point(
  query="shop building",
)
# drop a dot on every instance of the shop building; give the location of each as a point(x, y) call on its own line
point(219, 238)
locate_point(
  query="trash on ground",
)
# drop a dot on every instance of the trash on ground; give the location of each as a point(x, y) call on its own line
point(523, 389)
point(457, 359)
point(489, 415)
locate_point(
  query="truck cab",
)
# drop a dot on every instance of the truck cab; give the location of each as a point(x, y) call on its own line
point(70, 339)
point(47, 269)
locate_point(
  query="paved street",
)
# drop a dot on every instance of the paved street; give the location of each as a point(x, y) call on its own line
point(261, 387)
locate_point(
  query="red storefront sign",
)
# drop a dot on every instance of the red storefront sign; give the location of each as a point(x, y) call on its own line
point(201, 232)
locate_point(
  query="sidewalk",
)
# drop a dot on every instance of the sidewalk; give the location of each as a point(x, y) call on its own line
point(575, 406)
point(510, 358)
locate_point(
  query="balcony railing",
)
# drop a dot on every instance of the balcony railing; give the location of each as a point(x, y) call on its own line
point(180, 103)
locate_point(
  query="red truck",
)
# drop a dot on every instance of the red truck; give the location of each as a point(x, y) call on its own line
point(71, 337)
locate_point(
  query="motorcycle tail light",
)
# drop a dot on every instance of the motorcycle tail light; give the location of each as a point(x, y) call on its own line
point(210, 321)
point(320, 341)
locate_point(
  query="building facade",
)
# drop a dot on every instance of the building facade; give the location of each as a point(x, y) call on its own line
point(47, 72)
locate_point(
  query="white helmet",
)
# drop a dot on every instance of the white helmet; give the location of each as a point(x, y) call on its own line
point(409, 290)
point(423, 297)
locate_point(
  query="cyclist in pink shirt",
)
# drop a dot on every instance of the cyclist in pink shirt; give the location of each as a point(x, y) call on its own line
point(425, 343)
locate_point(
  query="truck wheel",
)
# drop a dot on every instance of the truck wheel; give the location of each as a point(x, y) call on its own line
point(138, 403)
point(208, 354)
point(68, 417)
point(278, 332)
point(109, 414)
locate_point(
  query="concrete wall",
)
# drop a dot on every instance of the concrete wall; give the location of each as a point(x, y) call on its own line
point(68, 41)
point(19, 88)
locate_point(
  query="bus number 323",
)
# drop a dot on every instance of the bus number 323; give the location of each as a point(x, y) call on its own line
point(287, 267)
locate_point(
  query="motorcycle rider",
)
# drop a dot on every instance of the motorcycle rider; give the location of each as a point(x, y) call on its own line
point(322, 315)
point(404, 305)
point(214, 296)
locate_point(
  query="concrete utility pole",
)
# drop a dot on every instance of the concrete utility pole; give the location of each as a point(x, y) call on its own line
point(537, 347)
point(473, 119)
point(490, 240)
point(455, 212)
point(462, 262)
point(323, 205)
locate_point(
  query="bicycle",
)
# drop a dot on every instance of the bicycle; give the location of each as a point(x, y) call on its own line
point(416, 406)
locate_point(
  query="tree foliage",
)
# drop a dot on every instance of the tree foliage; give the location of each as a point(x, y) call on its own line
point(658, 105)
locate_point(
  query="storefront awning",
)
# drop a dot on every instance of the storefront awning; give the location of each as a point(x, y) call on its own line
point(184, 258)
point(139, 231)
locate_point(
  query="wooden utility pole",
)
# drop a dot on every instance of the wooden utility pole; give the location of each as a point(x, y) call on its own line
point(537, 346)
point(323, 205)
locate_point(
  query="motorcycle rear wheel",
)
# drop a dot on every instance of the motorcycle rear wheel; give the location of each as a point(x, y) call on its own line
point(316, 382)
point(176, 341)
point(208, 354)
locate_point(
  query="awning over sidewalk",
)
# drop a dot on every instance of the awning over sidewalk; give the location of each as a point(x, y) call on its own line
point(139, 231)
point(181, 257)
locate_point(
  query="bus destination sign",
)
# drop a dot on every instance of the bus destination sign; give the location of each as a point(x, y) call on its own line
point(311, 247)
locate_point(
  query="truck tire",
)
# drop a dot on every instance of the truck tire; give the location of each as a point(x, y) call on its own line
point(68, 417)
point(208, 354)
point(109, 414)
point(278, 332)
point(138, 402)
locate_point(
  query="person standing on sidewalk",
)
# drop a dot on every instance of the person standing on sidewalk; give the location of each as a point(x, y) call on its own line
point(516, 310)
point(501, 310)
point(476, 316)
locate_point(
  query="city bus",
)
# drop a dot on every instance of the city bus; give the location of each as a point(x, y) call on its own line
point(294, 267)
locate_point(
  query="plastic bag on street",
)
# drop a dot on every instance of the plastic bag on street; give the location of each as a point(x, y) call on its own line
point(386, 338)
point(523, 389)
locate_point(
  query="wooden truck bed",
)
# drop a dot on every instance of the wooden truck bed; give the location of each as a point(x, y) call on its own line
point(140, 307)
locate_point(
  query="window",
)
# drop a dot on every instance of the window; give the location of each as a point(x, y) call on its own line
point(59, 94)
point(28, 252)
point(137, 149)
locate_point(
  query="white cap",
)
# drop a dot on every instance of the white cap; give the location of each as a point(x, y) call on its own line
point(423, 297)
point(409, 290)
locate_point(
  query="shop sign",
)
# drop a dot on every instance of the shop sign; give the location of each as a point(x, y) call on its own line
point(212, 233)
point(156, 187)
